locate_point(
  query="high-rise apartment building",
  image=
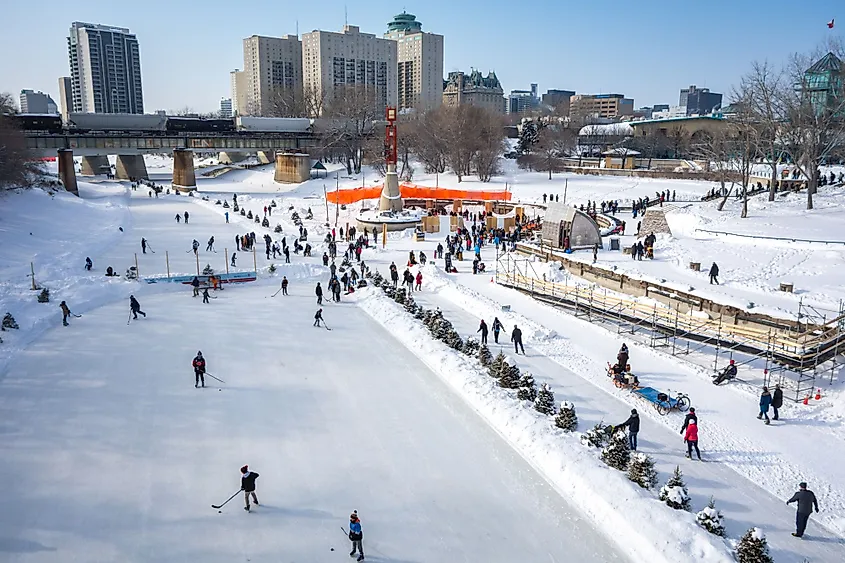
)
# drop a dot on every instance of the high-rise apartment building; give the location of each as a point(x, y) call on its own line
point(419, 63)
point(65, 96)
point(105, 69)
point(37, 102)
point(604, 106)
point(332, 62)
point(272, 68)
point(474, 89)
point(238, 86)
point(699, 101)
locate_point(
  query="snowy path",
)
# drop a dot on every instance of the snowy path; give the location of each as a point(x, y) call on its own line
point(744, 503)
point(123, 463)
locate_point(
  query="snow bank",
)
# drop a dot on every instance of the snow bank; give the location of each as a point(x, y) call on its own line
point(645, 528)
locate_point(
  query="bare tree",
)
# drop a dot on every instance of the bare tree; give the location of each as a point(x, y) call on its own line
point(763, 89)
point(744, 139)
point(17, 167)
point(428, 138)
point(490, 144)
point(294, 102)
point(715, 149)
point(554, 142)
point(350, 116)
point(461, 142)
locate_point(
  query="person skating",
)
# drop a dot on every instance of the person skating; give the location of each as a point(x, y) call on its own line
point(205, 295)
point(318, 316)
point(516, 338)
point(195, 246)
point(482, 328)
point(210, 246)
point(135, 307)
point(714, 274)
point(234, 255)
point(195, 283)
point(199, 369)
point(633, 425)
point(691, 438)
point(319, 293)
point(178, 218)
point(237, 243)
point(65, 312)
point(356, 536)
point(777, 401)
point(88, 264)
point(143, 245)
point(765, 402)
point(325, 259)
point(286, 252)
point(248, 485)
point(284, 285)
point(497, 327)
point(806, 503)
point(186, 217)
point(690, 417)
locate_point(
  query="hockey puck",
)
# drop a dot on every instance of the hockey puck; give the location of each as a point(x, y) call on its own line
point(219, 389)
point(219, 512)
point(332, 549)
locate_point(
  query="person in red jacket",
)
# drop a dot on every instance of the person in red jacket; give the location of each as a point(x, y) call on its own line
point(691, 438)
point(419, 281)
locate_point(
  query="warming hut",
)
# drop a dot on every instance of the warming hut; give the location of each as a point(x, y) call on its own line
point(564, 223)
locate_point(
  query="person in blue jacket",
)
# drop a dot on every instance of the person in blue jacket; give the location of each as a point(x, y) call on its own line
point(356, 536)
point(765, 402)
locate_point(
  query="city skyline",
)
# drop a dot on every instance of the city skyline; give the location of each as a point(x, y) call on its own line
point(647, 52)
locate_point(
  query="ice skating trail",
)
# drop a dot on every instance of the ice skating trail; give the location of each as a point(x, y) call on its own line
point(112, 454)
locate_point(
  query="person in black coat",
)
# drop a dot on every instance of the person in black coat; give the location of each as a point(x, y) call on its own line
point(777, 401)
point(497, 326)
point(806, 503)
point(135, 307)
point(483, 330)
point(199, 369)
point(318, 316)
point(195, 283)
point(689, 417)
point(248, 485)
point(319, 292)
point(633, 425)
point(516, 338)
point(714, 274)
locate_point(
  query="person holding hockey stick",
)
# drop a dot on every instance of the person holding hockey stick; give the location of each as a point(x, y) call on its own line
point(205, 295)
point(143, 245)
point(210, 246)
point(356, 536)
point(248, 485)
point(195, 246)
point(135, 307)
point(284, 285)
point(199, 369)
point(319, 292)
point(65, 312)
point(318, 316)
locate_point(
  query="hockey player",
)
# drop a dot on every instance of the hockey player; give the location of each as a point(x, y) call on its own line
point(205, 295)
point(135, 307)
point(195, 245)
point(284, 285)
point(248, 485)
point(318, 316)
point(319, 292)
point(186, 217)
point(356, 536)
point(210, 246)
point(195, 283)
point(143, 245)
point(234, 254)
point(199, 369)
point(65, 312)
point(88, 264)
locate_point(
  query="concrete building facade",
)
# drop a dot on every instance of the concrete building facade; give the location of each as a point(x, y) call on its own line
point(558, 100)
point(699, 101)
point(37, 102)
point(65, 96)
point(520, 102)
point(238, 86)
point(474, 89)
point(334, 61)
point(105, 69)
point(419, 58)
point(604, 106)
point(272, 67)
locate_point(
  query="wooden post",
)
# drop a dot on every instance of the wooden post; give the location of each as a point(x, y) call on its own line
point(197, 254)
point(383, 235)
point(326, 197)
point(137, 271)
point(254, 261)
point(565, 187)
point(226, 255)
point(32, 269)
point(167, 261)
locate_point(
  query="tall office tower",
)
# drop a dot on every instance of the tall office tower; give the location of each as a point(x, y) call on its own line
point(105, 69)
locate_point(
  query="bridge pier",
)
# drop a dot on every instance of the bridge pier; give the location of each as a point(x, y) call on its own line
point(67, 171)
point(131, 167)
point(94, 165)
point(184, 178)
point(266, 157)
point(292, 168)
point(231, 157)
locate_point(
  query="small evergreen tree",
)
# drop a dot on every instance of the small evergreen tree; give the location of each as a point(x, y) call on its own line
point(218, 202)
point(265, 223)
point(485, 357)
point(433, 319)
point(243, 212)
point(411, 305)
point(235, 207)
point(442, 329)
point(272, 203)
point(753, 548)
point(9, 321)
point(641, 470)
point(44, 296)
point(420, 314)
point(399, 295)
point(471, 346)
point(617, 453)
point(596, 437)
point(389, 290)
point(674, 492)
point(497, 366)
point(454, 340)
point(527, 388)
point(226, 204)
point(710, 518)
point(566, 418)
point(510, 378)
point(272, 268)
point(208, 270)
point(545, 401)
point(249, 214)
point(257, 219)
point(377, 279)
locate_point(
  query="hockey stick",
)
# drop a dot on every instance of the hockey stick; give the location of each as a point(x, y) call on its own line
point(212, 377)
point(326, 326)
point(77, 316)
point(150, 248)
point(277, 292)
point(130, 318)
point(227, 500)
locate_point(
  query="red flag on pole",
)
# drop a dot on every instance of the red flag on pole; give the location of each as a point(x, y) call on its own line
point(830, 24)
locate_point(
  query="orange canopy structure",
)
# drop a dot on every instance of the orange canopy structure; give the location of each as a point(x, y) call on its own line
point(413, 191)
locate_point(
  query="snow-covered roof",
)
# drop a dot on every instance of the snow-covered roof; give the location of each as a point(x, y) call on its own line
point(620, 151)
point(621, 129)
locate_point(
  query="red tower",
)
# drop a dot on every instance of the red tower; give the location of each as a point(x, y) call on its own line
point(390, 151)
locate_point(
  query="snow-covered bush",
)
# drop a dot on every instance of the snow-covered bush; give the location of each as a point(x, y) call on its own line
point(265, 223)
point(510, 377)
point(235, 208)
point(378, 280)
point(497, 366)
point(545, 401)
point(399, 295)
point(243, 212)
point(272, 203)
point(710, 518)
point(389, 290)
point(597, 436)
point(454, 340)
point(485, 356)
point(442, 329)
point(527, 388)
point(566, 418)
point(208, 270)
point(278, 228)
point(218, 202)
point(272, 268)
point(249, 214)
point(9, 321)
point(226, 204)
point(420, 314)
point(641, 470)
point(753, 548)
point(471, 346)
point(257, 219)
point(44, 296)
point(674, 492)
point(617, 453)
point(411, 305)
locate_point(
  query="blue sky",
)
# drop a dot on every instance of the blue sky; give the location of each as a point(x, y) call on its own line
point(647, 50)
